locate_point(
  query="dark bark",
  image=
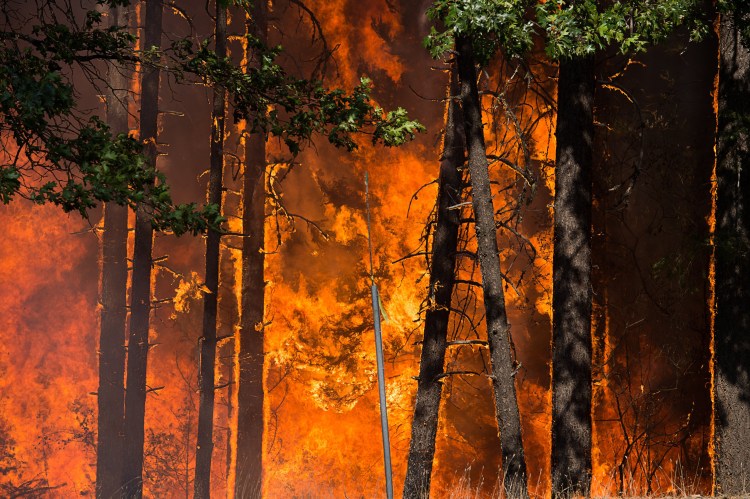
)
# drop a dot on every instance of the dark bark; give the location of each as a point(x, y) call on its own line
point(251, 357)
point(571, 268)
point(205, 445)
point(498, 328)
point(732, 239)
point(442, 277)
point(140, 294)
point(111, 391)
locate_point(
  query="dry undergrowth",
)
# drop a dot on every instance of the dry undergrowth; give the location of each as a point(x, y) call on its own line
point(676, 485)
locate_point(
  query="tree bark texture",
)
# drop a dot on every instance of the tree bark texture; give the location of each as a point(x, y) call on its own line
point(498, 329)
point(251, 355)
point(732, 264)
point(442, 277)
point(204, 448)
point(571, 295)
point(140, 294)
point(114, 252)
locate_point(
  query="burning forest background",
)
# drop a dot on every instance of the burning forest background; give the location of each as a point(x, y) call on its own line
point(653, 267)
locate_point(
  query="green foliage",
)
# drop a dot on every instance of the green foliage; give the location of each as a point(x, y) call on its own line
point(51, 155)
point(630, 26)
point(569, 29)
point(396, 128)
point(489, 23)
point(9, 183)
point(295, 109)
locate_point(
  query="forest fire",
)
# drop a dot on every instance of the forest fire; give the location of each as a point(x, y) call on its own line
point(293, 408)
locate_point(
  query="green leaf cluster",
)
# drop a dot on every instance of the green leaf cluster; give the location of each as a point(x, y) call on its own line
point(584, 27)
point(568, 28)
point(294, 109)
point(51, 155)
point(489, 23)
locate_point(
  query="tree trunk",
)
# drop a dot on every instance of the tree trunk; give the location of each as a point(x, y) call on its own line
point(732, 264)
point(204, 448)
point(250, 395)
point(498, 329)
point(571, 269)
point(111, 391)
point(140, 294)
point(442, 277)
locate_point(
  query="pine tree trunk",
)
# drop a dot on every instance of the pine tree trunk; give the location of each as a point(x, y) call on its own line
point(205, 445)
point(571, 295)
point(498, 329)
point(251, 357)
point(140, 294)
point(442, 277)
point(732, 317)
point(111, 391)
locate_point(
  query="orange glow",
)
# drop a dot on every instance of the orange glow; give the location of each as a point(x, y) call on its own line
point(361, 47)
point(322, 434)
point(48, 372)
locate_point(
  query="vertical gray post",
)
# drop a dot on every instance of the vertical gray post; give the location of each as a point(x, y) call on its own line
point(381, 389)
point(379, 359)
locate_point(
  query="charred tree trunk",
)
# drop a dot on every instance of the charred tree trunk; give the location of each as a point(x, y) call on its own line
point(205, 445)
point(140, 294)
point(571, 295)
point(498, 329)
point(251, 356)
point(732, 238)
point(111, 391)
point(442, 277)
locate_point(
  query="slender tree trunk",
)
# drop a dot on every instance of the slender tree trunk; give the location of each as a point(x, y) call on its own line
point(732, 264)
point(498, 329)
point(250, 395)
point(442, 277)
point(111, 399)
point(571, 295)
point(205, 446)
point(140, 294)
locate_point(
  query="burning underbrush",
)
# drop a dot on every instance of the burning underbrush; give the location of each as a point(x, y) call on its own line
point(321, 436)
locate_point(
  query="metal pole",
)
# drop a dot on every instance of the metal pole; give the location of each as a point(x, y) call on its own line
point(379, 358)
point(381, 389)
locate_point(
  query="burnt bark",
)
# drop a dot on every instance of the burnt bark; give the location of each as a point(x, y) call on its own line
point(114, 252)
point(732, 264)
point(251, 355)
point(206, 375)
point(498, 328)
point(442, 277)
point(140, 294)
point(571, 269)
